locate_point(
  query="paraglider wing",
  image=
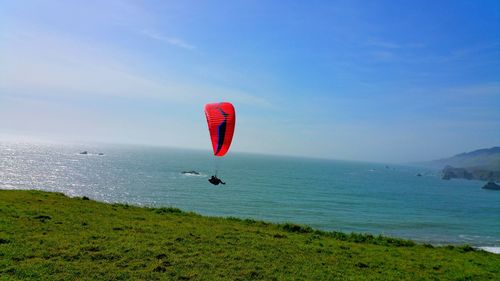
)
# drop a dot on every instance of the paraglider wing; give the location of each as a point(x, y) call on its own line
point(221, 119)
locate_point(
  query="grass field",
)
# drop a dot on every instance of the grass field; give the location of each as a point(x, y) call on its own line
point(48, 236)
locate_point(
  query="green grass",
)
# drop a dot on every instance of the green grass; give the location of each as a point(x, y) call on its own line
point(48, 236)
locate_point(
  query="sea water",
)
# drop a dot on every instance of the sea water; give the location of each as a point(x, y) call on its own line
point(324, 194)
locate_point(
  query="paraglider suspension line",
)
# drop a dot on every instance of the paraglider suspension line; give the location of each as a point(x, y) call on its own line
point(216, 165)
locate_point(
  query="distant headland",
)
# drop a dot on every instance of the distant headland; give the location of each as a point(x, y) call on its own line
point(481, 164)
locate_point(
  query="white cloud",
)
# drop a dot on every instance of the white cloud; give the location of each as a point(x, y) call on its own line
point(169, 40)
point(386, 45)
point(392, 45)
point(48, 64)
point(53, 85)
point(60, 121)
point(485, 89)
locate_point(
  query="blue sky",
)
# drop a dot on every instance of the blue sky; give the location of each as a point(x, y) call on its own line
point(389, 81)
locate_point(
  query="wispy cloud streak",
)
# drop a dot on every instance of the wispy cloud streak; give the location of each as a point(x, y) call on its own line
point(177, 42)
point(73, 68)
point(392, 45)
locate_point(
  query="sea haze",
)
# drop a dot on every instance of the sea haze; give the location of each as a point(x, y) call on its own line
point(325, 194)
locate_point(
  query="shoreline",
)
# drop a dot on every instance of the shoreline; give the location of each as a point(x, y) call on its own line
point(327, 196)
point(305, 228)
point(494, 250)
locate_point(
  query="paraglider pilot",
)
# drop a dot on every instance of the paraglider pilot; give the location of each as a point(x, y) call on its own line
point(215, 180)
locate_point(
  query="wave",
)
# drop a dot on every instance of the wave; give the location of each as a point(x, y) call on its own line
point(194, 175)
point(494, 250)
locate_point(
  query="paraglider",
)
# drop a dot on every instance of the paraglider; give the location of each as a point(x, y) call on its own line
point(215, 180)
point(221, 119)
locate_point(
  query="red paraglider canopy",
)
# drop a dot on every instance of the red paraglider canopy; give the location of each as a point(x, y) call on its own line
point(221, 119)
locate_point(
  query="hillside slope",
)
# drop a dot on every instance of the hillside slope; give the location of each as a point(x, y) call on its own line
point(47, 236)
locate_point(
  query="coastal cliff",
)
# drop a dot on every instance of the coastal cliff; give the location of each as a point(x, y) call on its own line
point(482, 164)
point(470, 173)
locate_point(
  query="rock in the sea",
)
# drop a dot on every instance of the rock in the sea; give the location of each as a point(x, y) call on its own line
point(84, 152)
point(491, 185)
point(190, 173)
point(101, 154)
point(419, 175)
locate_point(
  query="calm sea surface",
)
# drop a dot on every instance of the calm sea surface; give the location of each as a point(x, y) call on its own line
point(329, 195)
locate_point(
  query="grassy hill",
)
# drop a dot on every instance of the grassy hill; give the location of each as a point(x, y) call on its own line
point(48, 236)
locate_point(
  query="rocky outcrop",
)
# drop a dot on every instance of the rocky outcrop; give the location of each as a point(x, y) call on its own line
point(491, 185)
point(450, 172)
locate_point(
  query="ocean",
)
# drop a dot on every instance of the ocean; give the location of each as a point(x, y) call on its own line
point(324, 194)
